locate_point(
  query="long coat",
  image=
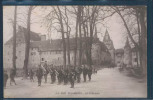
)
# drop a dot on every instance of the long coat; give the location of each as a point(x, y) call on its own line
point(39, 73)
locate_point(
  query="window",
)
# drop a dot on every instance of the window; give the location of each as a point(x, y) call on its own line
point(58, 58)
point(50, 52)
point(8, 53)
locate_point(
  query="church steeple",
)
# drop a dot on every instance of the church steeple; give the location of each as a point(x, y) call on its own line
point(106, 37)
point(109, 44)
point(127, 43)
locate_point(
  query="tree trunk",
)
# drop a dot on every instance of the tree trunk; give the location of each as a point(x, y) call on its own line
point(63, 38)
point(76, 36)
point(143, 40)
point(85, 43)
point(27, 42)
point(14, 39)
point(68, 49)
point(68, 36)
point(80, 35)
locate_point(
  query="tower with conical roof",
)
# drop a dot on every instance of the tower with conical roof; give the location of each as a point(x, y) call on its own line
point(127, 53)
point(109, 44)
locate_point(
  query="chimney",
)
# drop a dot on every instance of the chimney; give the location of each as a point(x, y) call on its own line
point(43, 37)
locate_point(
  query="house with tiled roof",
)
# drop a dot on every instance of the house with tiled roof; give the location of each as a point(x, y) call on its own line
point(51, 51)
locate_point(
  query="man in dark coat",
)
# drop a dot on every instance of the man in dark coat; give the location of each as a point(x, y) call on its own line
point(5, 78)
point(65, 77)
point(78, 74)
point(85, 72)
point(89, 73)
point(46, 71)
point(53, 75)
point(31, 74)
point(39, 74)
point(71, 77)
point(60, 75)
point(12, 76)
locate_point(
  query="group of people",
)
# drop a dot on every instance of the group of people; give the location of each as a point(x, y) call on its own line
point(62, 74)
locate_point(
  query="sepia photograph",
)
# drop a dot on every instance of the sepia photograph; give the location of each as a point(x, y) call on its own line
point(88, 51)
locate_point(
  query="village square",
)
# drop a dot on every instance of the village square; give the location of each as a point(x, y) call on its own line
point(78, 57)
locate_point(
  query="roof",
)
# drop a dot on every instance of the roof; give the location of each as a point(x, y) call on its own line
point(48, 45)
point(106, 36)
point(20, 36)
point(107, 39)
point(57, 44)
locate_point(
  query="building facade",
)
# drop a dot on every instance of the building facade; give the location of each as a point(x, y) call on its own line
point(129, 57)
point(48, 50)
point(119, 56)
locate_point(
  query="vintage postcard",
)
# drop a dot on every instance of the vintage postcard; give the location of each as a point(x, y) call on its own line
point(75, 51)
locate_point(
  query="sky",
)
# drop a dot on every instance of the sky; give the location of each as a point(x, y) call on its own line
point(114, 25)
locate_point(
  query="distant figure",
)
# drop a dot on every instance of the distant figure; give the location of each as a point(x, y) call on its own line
point(53, 75)
point(5, 78)
point(89, 73)
point(12, 76)
point(85, 72)
point(46, 71)
point(78, 71)
point(31, 74)
point(65, 75)
point(58, 74)
point(39, 74)
point(71, 77)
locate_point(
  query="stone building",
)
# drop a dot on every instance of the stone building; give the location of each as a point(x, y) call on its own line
point(119, 56)
point(128, 56)
point(135, 57)
point(51, 51)
point(109, 43)
point(20, 48)
point(100, 54)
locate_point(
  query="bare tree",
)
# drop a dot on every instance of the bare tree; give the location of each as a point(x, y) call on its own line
point(76, 39)
point(68, 30)
point(14, 39)
point(80, 10)
point(59, 15)
point(27, 42)
point(140, 16)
